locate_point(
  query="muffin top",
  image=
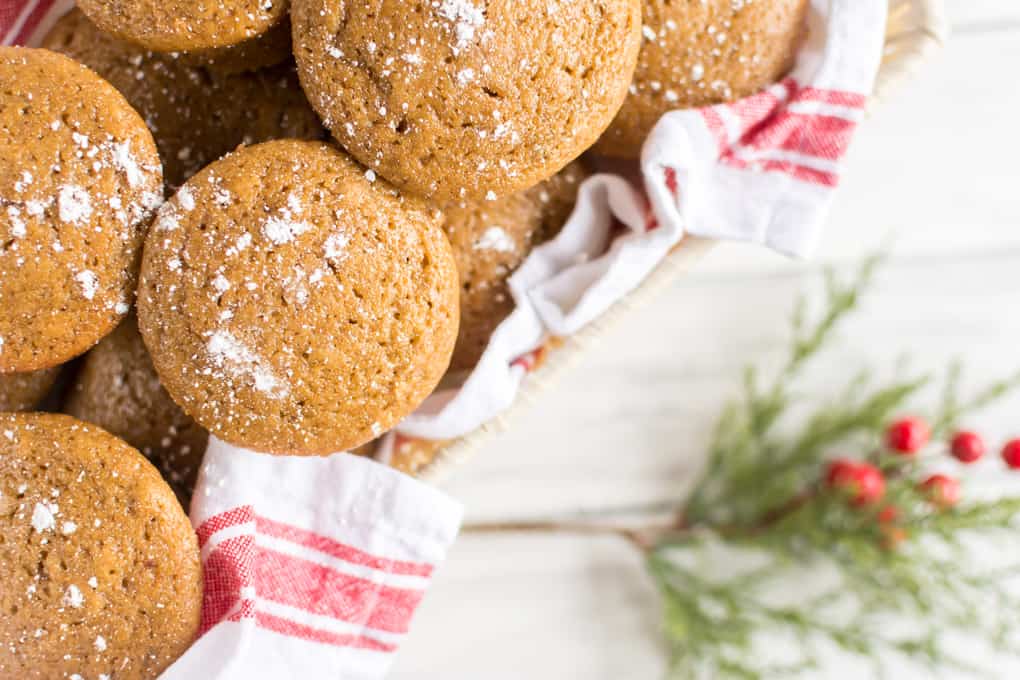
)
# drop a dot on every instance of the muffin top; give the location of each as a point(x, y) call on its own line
point(79, 179)
point(703, 53)
point(101, 567)
point(184, 25)
point(466, 99)
point(293, 303)
point(197, 112)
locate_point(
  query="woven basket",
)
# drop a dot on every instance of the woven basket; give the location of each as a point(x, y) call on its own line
point(915, 30)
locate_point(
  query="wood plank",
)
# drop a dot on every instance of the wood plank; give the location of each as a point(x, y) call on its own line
point(550, 607)
point(983, 15)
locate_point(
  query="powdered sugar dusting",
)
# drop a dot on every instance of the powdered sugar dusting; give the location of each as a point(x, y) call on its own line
point(73, 204)
point(186, 198)
point(73, 597)
point(231, 355)
point(336, 246)
point(124, 160)
point(496, 238)
point(89, 283)
point(44, 516)
point(18, 226)
point(286, 227)
point(466, 19)
point(221, 284)
point(280, 230)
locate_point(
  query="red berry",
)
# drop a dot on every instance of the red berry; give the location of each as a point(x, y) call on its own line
point(839, 471)
point(942, 490)
point(862, 482)
point(907, 435)
point(1011, 453)
point(968, 446)
point(888, 514)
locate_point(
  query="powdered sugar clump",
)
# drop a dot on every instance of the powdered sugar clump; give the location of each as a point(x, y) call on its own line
point(466, 19)
point(221, 284)
point(232, 355)
point(495, 238)
point(336, 245)
point(73, 204)
point(124, 160)
point(167, 220)
point(89, 283)
point(280, 230)
point(18, 226)
point(287, 226)
point(73, 597)
point(44, 516)
point(186, 198)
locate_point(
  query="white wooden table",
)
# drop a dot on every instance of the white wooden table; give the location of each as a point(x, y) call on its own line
point(936, 167)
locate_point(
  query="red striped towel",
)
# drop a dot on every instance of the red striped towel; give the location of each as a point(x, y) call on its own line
point(313, 566)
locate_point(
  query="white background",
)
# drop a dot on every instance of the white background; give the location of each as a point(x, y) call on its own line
point(937, 168)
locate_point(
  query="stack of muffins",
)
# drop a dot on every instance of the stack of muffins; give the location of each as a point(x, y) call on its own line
point(348, 187)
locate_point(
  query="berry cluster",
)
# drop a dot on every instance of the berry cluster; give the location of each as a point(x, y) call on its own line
point(863, 483)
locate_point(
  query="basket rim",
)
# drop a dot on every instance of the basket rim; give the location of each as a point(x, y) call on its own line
point(924, 31)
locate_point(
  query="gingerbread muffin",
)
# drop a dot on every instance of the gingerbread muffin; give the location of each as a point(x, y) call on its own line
point(196, 113)
point(490, 240)
point(24, 391)
point(185, 25)
point(79, 179)
point(293, 303)
point(703, 53)
point(463, 99)
point(101, 567)
point(117, 388)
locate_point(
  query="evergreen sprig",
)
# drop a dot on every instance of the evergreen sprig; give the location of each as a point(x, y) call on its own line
point(762, 496)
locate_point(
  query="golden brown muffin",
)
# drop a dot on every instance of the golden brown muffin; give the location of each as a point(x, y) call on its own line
point(24, 391)
point(196, 114)
point(293, 305)
point(460, 99)
point(101, 569)
point(186, 25)
point(490, 240)
point(79, 179)
point(117, 389)
point(703, 52)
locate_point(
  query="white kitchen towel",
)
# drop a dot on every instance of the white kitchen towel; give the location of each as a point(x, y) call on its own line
point(313, 566)
point(763, 169)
